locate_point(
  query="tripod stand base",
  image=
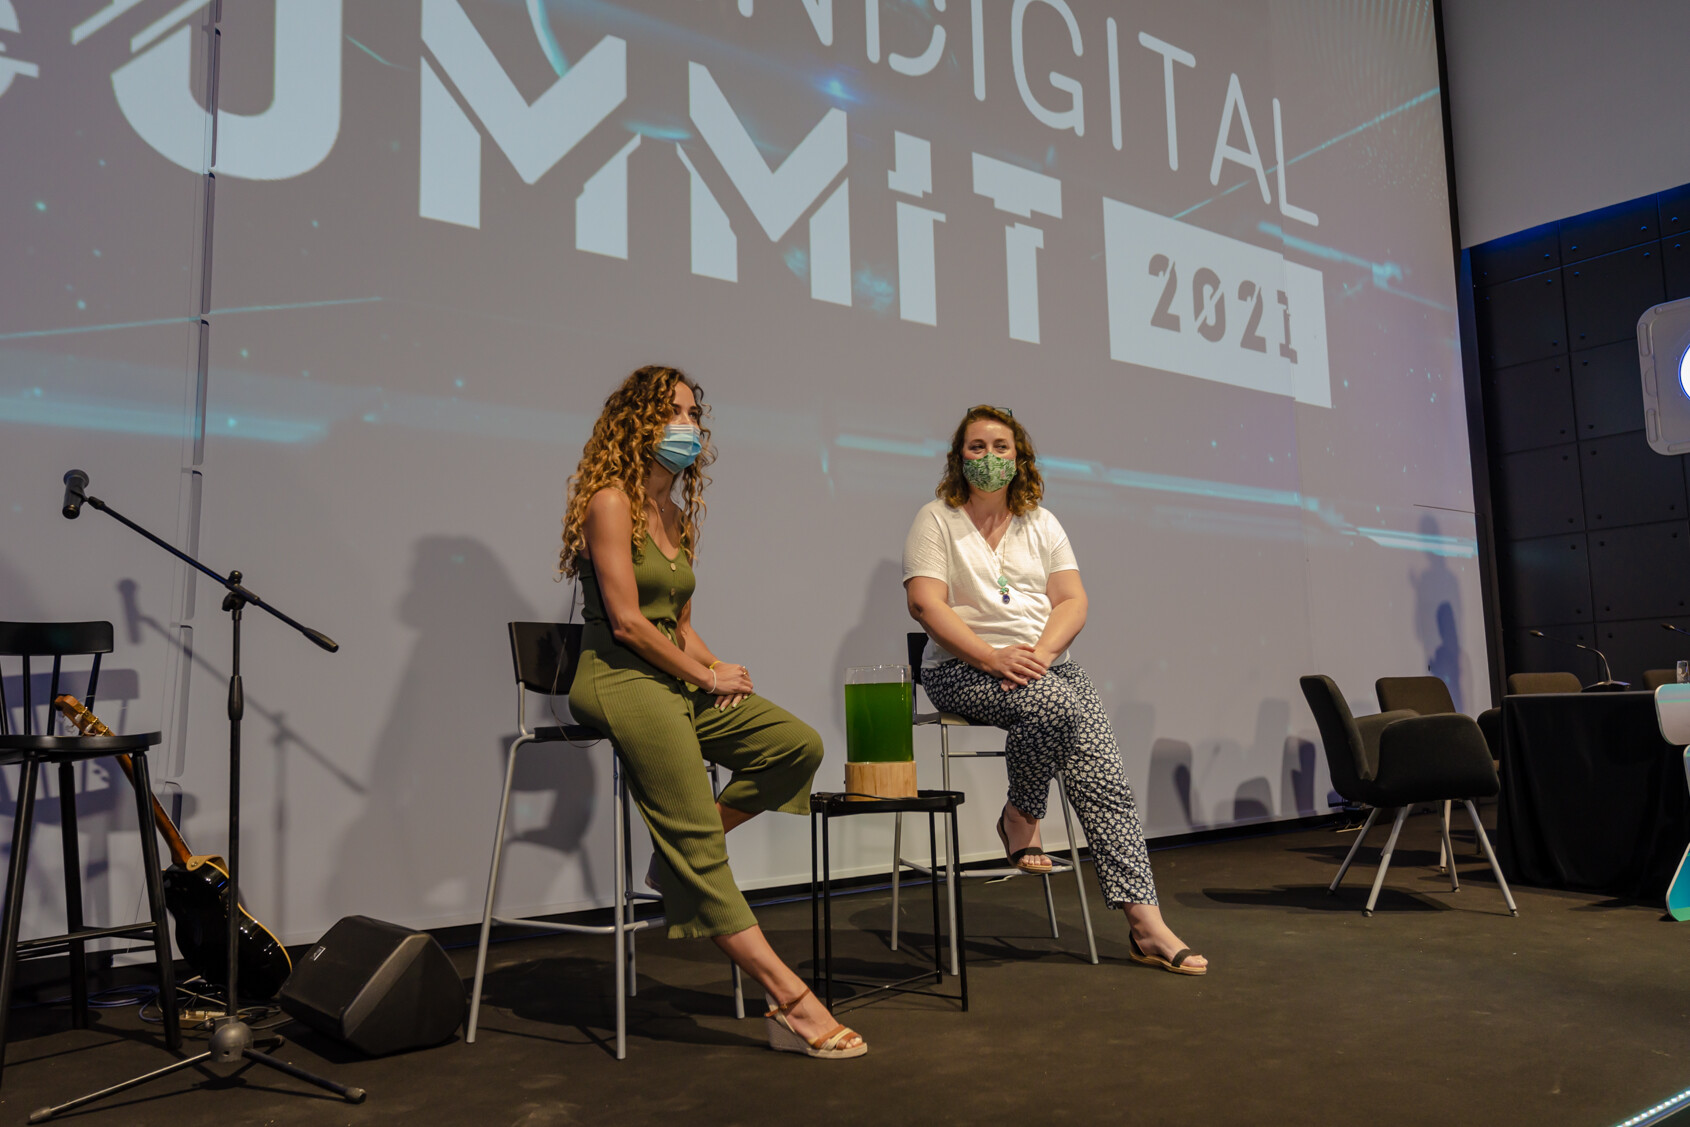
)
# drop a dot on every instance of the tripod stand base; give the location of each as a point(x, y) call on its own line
point(230, 1039)
point(230, 1034)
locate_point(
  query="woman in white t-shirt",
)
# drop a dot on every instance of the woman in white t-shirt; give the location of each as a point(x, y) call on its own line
point(991, 578)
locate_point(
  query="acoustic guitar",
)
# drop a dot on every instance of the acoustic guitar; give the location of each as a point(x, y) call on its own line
point(196, 893)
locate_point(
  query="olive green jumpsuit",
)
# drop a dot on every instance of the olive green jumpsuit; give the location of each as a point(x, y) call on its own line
point(665, 730)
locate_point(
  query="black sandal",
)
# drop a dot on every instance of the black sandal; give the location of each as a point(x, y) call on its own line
point(1020, 857)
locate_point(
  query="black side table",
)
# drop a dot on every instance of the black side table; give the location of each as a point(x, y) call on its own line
point(826, 806)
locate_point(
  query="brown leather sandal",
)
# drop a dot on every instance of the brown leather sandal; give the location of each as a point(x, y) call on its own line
point(1175, 964)
point(829, 1046)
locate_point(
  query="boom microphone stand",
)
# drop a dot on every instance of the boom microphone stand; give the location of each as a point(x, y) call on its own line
point(231, 1039)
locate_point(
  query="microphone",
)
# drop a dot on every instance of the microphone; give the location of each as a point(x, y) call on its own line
point(1674, 629)
point(76, 483)
point(1607, 684)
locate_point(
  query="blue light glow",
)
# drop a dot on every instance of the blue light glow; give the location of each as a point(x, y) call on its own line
point(836, 90)
point(1684, 371)
point(658, 132)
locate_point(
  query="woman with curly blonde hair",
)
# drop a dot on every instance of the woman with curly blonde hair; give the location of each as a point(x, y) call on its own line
point(647, 680)
point(991, 577)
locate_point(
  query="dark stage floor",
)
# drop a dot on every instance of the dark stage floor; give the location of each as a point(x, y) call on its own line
point(1440, 1009)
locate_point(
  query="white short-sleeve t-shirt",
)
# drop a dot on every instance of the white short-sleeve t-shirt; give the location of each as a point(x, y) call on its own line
point(943, 544)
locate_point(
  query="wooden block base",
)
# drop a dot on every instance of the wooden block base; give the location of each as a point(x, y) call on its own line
point(880, 780)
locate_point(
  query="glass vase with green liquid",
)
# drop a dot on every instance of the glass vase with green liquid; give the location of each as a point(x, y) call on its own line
point(879, 702)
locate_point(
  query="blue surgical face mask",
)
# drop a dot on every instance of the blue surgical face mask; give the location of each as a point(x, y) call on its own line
point(680, 446)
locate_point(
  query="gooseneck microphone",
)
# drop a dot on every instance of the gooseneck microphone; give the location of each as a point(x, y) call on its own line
point(76, 485)
point(1607, 684)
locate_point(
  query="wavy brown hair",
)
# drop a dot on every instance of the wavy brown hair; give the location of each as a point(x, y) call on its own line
point(1026, 488)
point(620, 453)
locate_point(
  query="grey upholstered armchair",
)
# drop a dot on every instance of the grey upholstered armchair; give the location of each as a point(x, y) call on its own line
point(1396, 759)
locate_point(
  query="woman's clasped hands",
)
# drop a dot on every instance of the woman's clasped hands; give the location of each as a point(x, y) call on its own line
point(1015, 665)
point(733, 684)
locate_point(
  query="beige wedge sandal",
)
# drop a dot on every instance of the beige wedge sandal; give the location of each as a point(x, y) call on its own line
point(783, 1038)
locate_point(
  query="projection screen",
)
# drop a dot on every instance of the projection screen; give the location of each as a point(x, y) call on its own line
point(1201, 249)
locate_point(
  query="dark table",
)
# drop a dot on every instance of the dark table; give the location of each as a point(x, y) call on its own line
point(826, 806)
point(1593, 798)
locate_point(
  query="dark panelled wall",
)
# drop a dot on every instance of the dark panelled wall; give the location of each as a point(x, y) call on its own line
point(1592, 526)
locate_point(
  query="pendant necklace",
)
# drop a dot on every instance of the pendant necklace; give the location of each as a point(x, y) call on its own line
point(997, 558)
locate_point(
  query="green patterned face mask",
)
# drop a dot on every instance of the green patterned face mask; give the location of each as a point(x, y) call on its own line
point(988, 473)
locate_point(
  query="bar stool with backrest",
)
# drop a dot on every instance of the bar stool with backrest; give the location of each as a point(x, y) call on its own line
point(916, 644)
point(544, 655)
point(32, 751)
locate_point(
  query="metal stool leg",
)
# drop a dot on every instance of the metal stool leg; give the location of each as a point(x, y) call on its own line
point(1079, 874)
point(1361, 835)
point(1484, 843)
point(155, 902)
point(14, 891)
point(953, 887)
point(739, 979)
point(897, 869)
point(620, 908)
point(1385, 860)
point(1050, 907)
point(492, 888)
point(627, 899)
point(953, 857)
point(78, 948)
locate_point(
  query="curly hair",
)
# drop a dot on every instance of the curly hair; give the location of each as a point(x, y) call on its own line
point(1026, 488)
point(620, 452)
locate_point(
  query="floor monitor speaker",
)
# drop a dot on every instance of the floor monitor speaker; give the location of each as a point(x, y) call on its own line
point(376, 986)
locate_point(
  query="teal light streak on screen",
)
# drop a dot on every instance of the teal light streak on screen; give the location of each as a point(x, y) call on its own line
point(151, 422)
point(1418, 99)
point(1462, 547)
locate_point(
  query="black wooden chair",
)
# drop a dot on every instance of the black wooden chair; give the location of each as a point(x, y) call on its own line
point(31, 751)
point(1396, 760)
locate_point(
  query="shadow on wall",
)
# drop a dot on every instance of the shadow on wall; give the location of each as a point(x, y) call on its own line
point(420, 847)
point(1296, 781)
point(283, 740)
point(1437, 609)
point(1174, 801)
point(1168, 803)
